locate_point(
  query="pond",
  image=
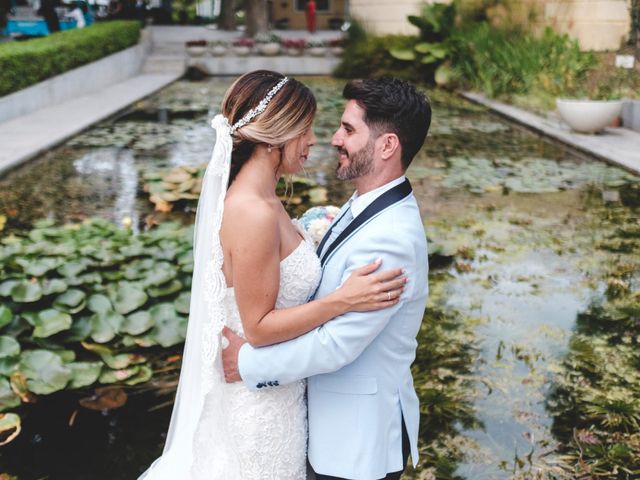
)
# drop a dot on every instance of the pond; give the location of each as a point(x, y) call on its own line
point(525, 239)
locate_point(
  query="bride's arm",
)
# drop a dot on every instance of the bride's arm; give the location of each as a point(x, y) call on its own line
point(255, 266)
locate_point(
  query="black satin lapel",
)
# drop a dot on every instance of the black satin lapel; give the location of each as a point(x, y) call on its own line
point(385, 200)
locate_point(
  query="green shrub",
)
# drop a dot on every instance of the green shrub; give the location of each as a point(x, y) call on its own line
point(432, 52)
point(26, 63)
point(501, 61)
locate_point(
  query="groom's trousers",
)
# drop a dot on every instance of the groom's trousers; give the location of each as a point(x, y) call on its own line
point(406, 448)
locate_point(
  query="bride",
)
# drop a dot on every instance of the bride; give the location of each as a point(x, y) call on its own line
point(255, 271)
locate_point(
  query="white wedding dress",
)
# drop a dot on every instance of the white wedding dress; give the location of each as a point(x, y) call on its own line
point(259, 435)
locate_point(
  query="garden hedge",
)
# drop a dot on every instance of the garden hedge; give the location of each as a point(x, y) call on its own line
point(28, 62)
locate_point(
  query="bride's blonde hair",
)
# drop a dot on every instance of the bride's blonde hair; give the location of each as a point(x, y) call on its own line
point(288, 115)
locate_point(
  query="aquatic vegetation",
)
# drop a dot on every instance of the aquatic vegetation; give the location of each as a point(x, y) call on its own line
point(596, 398)
point(596, 395)
point(526, 175)
point(144, 136)
point(181, 186)
point(78, 303)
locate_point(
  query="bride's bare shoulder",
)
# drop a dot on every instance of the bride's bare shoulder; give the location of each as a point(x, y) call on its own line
point(246, 213)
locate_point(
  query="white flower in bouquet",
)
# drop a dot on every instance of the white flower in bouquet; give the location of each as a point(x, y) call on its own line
point(316, 221)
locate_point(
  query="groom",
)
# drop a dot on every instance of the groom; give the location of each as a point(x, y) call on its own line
point(363, 409)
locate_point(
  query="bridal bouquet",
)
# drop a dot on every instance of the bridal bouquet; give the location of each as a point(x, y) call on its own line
point(316, 221)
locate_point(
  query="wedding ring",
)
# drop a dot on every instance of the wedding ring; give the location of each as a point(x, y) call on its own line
point(224, 342)
point(388, 296)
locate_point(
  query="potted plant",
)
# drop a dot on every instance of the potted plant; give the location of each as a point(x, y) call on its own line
point(316, 47)
point(196, 48)
point(336, 46)
point(590, 110)
point(243, 46)
point(293, 46)
point(218, 48)
point(268, 44)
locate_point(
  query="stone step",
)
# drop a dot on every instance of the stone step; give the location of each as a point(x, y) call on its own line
point(156, 63)
point(233, 65)
point(170, 49)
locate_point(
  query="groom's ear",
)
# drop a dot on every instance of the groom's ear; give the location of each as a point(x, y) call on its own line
point(390, 145)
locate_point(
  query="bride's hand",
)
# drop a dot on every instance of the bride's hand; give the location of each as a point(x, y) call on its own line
point(364, 290)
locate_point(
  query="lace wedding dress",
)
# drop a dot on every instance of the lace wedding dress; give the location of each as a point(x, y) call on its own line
point(259, 435)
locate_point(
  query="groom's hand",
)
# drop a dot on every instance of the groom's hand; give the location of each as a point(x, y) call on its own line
point(230, 355)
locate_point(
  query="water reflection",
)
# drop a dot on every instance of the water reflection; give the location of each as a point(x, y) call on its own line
point(112, 172)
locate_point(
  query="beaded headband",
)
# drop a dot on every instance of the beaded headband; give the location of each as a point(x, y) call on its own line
point(254, 112)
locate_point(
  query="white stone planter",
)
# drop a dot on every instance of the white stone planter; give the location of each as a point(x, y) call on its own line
point(241, 51)
point(317, 51)
point(337, 51)
point(269, 49)
point(218, 50)
point(196, 51)
point(294, 52)
point(588, 116)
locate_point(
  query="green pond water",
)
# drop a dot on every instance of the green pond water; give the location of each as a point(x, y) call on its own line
point(516, 226)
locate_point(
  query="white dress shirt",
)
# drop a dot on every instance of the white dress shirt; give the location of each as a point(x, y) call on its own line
point(360, 202)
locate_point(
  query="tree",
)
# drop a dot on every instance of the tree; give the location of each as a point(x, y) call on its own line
point(256, 12)
point(227, 15)
point(5, 8)
point(635, 23)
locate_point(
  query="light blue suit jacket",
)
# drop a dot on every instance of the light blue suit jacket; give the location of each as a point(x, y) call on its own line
point(358, 364)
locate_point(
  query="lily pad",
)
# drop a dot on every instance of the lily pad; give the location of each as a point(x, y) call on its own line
point(54, 285)
point(115, 376)
point(96, 348)
point(105, 326)
point(8, 398)
point(9, 347)
point(9, 365)
point(129, 297)
point(5, 316)
point(6, 287)
point(45, 371)
point(161, 274)
point(105, 398)
point(67, 356)
point(26, 292)
point(71, 301)
point(84, 373)
point(144, 375)
point(123, 360)
point(138, 323)
point(39, 266)
point(80, 329)
point(170, 327)
point(165, 289)
point(18, 382)
point(51, 321)
point(9, 427)
point(99, 303)
point(182, 303)
point(72, 269)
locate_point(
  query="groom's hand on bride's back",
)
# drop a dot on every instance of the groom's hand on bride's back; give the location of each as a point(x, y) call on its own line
point(230, 355)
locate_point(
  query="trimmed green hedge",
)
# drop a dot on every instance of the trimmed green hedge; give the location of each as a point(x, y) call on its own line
point(25, 63)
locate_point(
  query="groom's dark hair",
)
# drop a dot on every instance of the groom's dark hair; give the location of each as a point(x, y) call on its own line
point(393, 106)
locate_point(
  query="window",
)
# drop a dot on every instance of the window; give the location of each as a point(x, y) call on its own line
point(321, 5)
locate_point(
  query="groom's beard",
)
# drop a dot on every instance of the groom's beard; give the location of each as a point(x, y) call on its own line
point(360, 162)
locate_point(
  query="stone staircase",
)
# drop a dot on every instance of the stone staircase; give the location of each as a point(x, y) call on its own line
point(163, 62)
point(168, 54)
